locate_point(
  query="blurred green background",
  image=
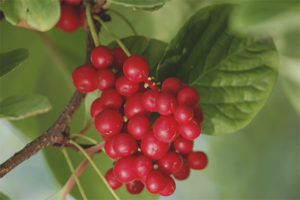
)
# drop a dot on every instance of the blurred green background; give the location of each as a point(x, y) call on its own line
point(261, 161)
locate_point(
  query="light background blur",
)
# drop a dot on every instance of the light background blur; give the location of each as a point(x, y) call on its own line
point(261, 161)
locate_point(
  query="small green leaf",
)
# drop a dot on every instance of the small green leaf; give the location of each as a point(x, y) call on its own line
point(144, 4)
point(234, 76)
point(20, 107)
point(33, 14)
point(265, 16)
point(10, 60)
point(152, 49)
point(3, 196)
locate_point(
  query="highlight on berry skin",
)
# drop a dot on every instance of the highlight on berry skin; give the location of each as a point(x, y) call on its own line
point(149, 132)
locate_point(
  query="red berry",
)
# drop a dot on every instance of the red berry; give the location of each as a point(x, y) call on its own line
point(138, 126)
point(190, 130)
point(153, 148)
point(183, 114)
point(105, 79)
point(165, 128)
point(81, 16)
point(136, 68)
point(73, 2)
point(84, 78)
point(182, 145)
point(199, 114)
point(183, 173)
point(102, 57)
point(197, 160)
point(134, 106)
point(97, 107)
point(112, 99)
point(171, 85)
point(171, 162)
point(188, 96)
point(142, 165)
point(124, 144)
point(69, 19)
point(120, 57)
point(166, 104)
point(109, 122)
point(169, 188)
point(126, 87)
point(155, 182)
point(150, 100)
point(109, 148)
point(111, 179)
point(124, 170)
point(135, 187)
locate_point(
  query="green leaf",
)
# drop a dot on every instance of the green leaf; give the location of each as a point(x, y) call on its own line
point(3, 196)
point(144, 4)
point(33, 14)
point(234, 76)
point(10, 60)
point(20, 107)
point(266, 16)
point(152, 49)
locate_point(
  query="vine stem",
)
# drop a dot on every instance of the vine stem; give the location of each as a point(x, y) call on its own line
point(84, 137)
point(113, 35)
point(96, 169)
point(84, 197)
point(125, 20)
point(91, 25)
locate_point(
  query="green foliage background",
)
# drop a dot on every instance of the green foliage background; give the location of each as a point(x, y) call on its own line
point(260, 161)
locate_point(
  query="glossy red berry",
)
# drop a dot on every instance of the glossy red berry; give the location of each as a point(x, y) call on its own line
point(183, 173)
point(120, 57)
point(69, 19)
point(138, 126)
point(183, 145)
point(142, 165)
point(136, 68)
point(169, 188)
point(73, 2)
point(165, 128)
point(183, 114)
point(124, 170)
point(150, 100)
point(197, 160)
point(84, 78)
point(102, 57)
point(166, 104)
point(126, 87)
point(111, 179)
point(188, 96)
point(105, 79)
point(135, 187)
point(155, 182)
point(171, 85)
point(109, 148)
point(153, 148)
point(81, 16)
point(134, 106)
point(171, 162)
point(96, 107)
point(109, 122)
point(112, 99)
point(199, 114)
point(190, 130)
point(124, 144)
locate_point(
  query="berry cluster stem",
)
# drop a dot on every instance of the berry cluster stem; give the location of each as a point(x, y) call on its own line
point(91, 25)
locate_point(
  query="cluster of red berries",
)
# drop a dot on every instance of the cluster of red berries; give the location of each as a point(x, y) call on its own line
point(72, 15)
point(145, 155)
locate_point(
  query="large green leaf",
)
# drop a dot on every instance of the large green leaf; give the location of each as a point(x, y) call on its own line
point(266, 16)
point(147, 4)
point(20, 107)
point(3, 196)
point(10, 60)
point(233, 75)
point(33, 14)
